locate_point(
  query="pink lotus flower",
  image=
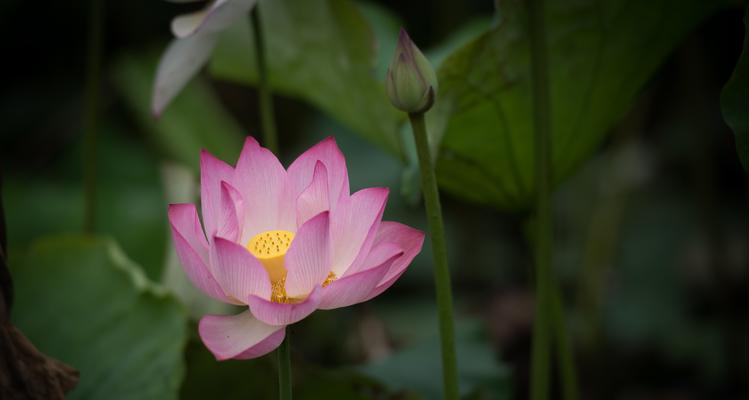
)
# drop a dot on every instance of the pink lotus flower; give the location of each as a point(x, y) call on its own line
point(284, 243)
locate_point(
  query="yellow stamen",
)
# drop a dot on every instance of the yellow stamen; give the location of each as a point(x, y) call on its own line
point(278, 292)
point(269, 248)
point(331, 277)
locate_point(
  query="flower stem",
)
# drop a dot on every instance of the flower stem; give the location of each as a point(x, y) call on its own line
point(284, 368)
point(92, 101)
point(267, 120)
point(549, 313)
point(441, 271)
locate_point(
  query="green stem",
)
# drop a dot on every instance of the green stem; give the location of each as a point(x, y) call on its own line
point(541, 348)
point(92, 101)
point(549, 313)
point(570, 390)
point(267, 120)
point(439, 247)
point(284, 368)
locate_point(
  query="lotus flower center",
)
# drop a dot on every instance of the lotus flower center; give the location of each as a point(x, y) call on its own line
point(269, 248)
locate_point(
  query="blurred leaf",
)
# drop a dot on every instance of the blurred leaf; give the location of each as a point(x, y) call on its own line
point(457, 39)
point(81, 300)
point(385, 25)
point(321, 51)
point(232, 379)
point(647, 272)
point(236, 379)
point(601, 53)
point(650, 302)
point(130, 205)
point(418, 367)
point(735, 98)
point(195, 120)
point(319, 383)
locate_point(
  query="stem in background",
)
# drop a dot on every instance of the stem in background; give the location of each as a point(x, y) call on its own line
point(549, 312)
point(570, 390)
point(543, 234)
point(267, 120)
point(92, 102)
point(284, 368)
point(439, 247)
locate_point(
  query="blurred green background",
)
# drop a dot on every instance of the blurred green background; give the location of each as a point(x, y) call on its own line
point(651, 210)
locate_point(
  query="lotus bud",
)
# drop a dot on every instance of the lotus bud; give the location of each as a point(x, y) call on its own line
point(411, 82)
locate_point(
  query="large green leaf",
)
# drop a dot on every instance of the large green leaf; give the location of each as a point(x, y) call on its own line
point(601, 53)
point(82, 301)
point(195, 120)
point(322, 51)
point(129, 205)
point(735, 99)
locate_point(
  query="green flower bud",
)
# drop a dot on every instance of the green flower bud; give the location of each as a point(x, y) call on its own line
point(411, 82)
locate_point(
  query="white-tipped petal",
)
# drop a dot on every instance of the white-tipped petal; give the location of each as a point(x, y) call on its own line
point(181, 61)
point(186, 24)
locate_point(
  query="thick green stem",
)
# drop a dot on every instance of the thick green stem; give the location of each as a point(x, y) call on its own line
point(267, 120)
point(92, 102)
point(284, 368)
point(439, 247)
point(549, 312)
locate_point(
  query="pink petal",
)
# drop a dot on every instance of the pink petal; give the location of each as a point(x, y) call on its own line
point(229, 226)
point(360, 262)
point(302, 169)
point(192, 249)
point(180, 62)
point(184, 218)
point(355, 288)
point(266, 346)
point(239, 336)
point(238, 272)
point(407, 238)
point(308, 259)
point(314, 199)
point(212, 172)
point(410, 240)
point(283, 314)
point(353, 225)
point(261, 181)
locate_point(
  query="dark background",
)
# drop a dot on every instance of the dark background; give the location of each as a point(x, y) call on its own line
point(652, 240)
